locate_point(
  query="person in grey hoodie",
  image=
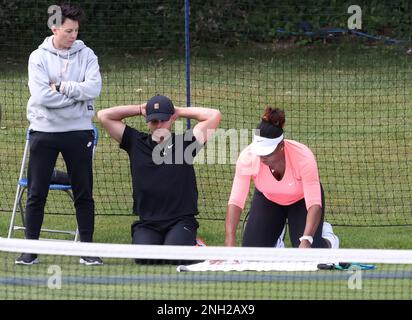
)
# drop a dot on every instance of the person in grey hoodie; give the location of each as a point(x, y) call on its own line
point(64, 81)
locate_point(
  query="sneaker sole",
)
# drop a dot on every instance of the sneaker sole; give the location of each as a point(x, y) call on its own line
point(35, 261)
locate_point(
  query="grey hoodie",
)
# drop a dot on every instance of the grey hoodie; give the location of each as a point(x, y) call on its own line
point(77, 70)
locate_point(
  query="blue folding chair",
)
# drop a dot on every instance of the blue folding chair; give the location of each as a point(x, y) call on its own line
point(22, 186)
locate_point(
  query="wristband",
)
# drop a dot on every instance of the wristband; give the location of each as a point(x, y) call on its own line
point(309, 238)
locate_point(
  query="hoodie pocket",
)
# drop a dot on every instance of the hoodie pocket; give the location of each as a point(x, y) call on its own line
point(74, 112)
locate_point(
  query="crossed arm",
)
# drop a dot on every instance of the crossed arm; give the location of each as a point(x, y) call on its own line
point(44, 92)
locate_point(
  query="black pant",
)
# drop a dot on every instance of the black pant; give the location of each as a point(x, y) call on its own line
point(267, 219)
point(76, 148)
point(179, 231)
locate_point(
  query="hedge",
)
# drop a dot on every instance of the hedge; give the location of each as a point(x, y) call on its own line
point(159, 23)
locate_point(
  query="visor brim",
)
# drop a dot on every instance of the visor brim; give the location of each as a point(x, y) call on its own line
point(260, 150)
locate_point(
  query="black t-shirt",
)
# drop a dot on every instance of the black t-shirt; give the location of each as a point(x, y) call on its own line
point(163, 177)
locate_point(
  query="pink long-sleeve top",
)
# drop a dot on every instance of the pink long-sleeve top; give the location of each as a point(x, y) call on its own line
point(301, 178)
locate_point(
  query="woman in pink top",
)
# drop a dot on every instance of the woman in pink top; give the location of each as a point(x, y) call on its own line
point(287, 184)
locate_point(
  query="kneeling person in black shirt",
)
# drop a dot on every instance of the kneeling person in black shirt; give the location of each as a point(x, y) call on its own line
point(164, 182)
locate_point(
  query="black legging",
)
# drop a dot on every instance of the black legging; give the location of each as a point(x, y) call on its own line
point(267, 219)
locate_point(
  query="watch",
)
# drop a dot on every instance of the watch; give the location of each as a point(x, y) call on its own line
point(309, 238)
point(58, 87)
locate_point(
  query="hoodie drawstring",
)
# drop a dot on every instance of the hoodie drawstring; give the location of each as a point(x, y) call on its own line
point(66, 64)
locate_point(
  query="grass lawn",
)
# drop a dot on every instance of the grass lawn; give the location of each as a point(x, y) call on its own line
point(123, 279)
point(351, 105)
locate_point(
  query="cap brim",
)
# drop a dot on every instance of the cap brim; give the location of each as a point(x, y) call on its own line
point(158, 116)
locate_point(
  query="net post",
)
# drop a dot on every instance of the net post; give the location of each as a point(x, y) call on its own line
point(187, 57)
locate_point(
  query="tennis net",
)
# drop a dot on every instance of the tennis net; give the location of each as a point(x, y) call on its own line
point(202, 273)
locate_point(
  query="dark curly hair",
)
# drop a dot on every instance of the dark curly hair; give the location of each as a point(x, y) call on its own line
point(272, 123)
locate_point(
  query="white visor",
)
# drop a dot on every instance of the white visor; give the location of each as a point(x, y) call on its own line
point(262, 146)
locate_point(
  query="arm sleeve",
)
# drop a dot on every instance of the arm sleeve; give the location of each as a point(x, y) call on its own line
point(246, 168)
point(311, 183)
point(240, 190)
point(126, 138)
point(129, 137)
point(90, 88)
point(40, 90)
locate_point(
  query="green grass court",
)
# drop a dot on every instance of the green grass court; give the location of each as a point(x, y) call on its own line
point(350, 105)
point(123, 279)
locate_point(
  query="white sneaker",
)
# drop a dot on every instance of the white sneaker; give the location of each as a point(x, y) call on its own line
point(280, 243)
point(91, 261)
point(327, 233)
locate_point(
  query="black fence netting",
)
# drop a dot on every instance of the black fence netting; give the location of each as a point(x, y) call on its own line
point(346, 93)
